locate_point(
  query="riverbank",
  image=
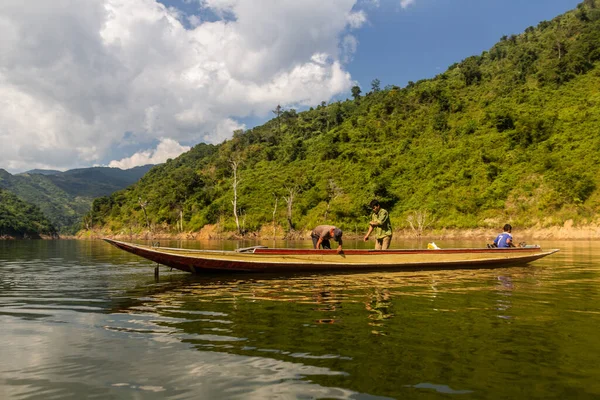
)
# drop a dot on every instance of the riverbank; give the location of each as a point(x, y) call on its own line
point(210, 232)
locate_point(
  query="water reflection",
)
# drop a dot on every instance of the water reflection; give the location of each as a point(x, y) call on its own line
point(83, 319)
point(287, 319)
point(505, 287)
point(379, 306)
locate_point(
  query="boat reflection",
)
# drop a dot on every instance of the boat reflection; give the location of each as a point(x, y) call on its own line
point(333, 321)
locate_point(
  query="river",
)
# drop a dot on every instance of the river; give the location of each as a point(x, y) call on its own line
point(82, 319)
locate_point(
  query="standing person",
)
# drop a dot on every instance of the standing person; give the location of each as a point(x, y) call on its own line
point(380, 220)
point(505, 239)
point(321, 235)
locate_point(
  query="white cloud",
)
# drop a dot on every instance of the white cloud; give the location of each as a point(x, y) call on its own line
point(167, 148)
point(406, 3)
point(349, 46)
point(357, 19)
point(223, 131)
point(373, 3)
point(76, 75)
point(194, 20)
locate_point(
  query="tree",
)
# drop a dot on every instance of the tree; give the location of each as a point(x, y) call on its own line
point(376, 85)
point(559, 45)
point(87, 220)
point(144, 204)
point(335, 114)
point(471, 71)
point(274, 213)
point(419, 221)
point(356, 92)
point(289, 200)
point(278, 111)
point(333, 192)
point(234, 166)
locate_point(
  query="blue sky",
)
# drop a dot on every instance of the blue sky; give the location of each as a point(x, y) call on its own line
point(130, 82)
point(422, 40)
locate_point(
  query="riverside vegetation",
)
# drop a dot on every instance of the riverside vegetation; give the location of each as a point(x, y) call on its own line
point(510, 135)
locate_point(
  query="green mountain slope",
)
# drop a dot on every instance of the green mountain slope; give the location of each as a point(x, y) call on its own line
point(64, 197)
point(509, 135)
point(20, 219)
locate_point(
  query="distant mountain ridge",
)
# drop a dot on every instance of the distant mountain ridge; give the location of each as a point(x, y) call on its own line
point(97, 181)
point(42, 172)
point(64, 197)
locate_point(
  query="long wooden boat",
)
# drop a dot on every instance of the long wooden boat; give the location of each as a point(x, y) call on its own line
point(262, 259)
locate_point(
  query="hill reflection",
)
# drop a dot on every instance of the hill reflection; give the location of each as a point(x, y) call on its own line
point(401, 326)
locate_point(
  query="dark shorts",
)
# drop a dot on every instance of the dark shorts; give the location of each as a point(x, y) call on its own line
point(324, 244)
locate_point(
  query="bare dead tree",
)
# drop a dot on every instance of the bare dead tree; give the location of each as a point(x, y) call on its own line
point(333, 192)
point(419, 221)
point(234, 166)
point(289, 200)
point(87, 221)
point(559, 46)
point(274, 212)
point(143, 204)
point(180, 221)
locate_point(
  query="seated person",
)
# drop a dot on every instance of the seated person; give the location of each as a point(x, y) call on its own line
point(504, 239)
point(321, 235)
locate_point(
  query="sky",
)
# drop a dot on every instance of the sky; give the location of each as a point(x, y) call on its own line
point(122, 83)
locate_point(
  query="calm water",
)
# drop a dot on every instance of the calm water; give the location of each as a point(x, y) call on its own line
point(85, 320)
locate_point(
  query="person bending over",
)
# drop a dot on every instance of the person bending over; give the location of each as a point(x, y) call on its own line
point(323, 233)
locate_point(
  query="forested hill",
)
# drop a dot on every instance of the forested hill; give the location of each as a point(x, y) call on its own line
point(64, 197)
point(511, 135)
point(19, 219)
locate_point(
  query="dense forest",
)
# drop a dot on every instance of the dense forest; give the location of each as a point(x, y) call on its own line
point(65, 197)
point(19, 219)
point(510, 135)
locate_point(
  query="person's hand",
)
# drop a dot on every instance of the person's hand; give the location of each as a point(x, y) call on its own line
point(366, 238)
point(339, 250)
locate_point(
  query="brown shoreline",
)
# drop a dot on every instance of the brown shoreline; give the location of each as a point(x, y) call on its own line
point(212, 232)
point(483, 234)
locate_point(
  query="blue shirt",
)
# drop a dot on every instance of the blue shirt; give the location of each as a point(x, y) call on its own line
point(502, 239)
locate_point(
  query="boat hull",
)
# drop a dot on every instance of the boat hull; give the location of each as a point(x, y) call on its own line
point(307, 260)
